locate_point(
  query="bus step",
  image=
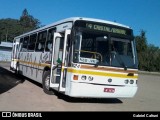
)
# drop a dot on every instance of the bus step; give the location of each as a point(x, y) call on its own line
point(54, 85)
point(56, 75)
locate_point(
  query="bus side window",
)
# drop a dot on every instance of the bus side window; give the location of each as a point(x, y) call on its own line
point(41, 41)
point(32, 41)
point(21, 44)
point(49, 41)
point(25, 44)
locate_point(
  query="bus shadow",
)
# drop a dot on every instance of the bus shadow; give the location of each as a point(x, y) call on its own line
point(88, 100)
point(8, 80)
point(78, 100)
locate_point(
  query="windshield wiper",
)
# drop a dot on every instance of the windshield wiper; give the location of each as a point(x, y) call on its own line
point(119, 59)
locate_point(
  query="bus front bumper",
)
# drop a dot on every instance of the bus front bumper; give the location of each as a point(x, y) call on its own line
point(100, 91)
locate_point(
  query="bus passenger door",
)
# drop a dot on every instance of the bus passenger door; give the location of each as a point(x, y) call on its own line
point(58, 64)
point(14, 56)
point(55, 61)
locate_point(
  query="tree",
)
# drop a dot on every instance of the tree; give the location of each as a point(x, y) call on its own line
point(141, 45)
point(28, 21)
point(141, 41)
point(148, 55)
point(157, 62)
point(10, 28)
point(151, 56)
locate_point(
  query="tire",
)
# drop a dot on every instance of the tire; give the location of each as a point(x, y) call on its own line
point(45, 83)
point(17, 69)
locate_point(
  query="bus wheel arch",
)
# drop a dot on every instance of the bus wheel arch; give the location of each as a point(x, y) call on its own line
point(46, 69)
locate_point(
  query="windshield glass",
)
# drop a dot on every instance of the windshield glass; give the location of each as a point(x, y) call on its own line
point(101, 49)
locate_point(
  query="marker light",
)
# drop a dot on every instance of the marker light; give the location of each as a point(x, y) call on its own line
point(131, 81)
point(75, 77)
point(83, 77)
point(126, 81)
point(90, 78)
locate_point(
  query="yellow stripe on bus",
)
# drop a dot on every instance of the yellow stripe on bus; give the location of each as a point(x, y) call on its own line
point(101, 73)
point(34, 63)
point(82, 71)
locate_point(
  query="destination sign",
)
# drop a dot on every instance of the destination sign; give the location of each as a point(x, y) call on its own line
point(103, 27)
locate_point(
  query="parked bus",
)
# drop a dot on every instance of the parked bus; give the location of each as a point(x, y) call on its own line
point(79, 57)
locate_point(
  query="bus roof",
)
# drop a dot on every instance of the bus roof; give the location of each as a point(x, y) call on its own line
point(73, 19)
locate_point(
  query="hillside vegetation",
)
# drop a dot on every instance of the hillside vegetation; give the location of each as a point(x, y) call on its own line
point(9, 28)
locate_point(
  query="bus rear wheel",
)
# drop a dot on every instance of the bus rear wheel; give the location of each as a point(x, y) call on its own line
point(17, 69)
point(46, 83)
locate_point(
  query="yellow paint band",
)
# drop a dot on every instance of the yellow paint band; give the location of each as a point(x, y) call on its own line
point(82, 71)
point(100, 73)
point(34, 64)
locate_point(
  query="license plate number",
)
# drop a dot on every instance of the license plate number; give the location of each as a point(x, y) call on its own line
point(109, 90)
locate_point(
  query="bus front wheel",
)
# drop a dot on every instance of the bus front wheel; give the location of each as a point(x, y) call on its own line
point(46, 83)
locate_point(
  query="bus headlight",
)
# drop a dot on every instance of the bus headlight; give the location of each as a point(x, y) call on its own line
point(126, 81)
point(131, 81)
point(83, 77)
point(90, 78)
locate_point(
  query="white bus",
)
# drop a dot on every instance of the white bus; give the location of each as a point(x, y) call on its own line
point(79, 57)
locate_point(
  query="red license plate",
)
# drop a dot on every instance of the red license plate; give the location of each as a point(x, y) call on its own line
point(109, 90)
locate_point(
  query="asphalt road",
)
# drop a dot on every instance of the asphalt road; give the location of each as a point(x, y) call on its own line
point(20, 94)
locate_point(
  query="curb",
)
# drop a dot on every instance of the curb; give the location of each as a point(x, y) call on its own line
point(149, 73)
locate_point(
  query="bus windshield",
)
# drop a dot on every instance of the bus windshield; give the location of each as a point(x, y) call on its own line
point(101, 49)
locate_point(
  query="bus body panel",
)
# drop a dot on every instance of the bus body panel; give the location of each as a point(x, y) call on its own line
point(97, 91)
point(15, 53)
point(32, 64)
point(102, 80)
